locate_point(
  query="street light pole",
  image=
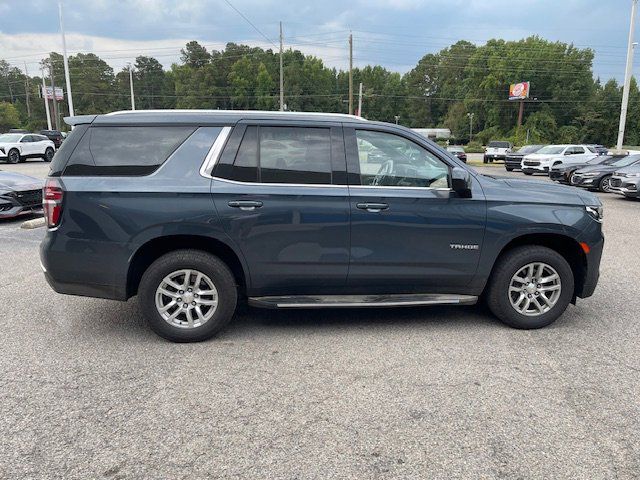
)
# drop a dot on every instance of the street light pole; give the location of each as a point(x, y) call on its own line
point(470, 115)
point(627, 77)
point(66, 62)
point(133, 98)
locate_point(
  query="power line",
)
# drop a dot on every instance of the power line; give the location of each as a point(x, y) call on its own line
point(250, 23)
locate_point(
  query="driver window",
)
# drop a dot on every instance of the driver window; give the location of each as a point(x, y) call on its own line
point(389, 160)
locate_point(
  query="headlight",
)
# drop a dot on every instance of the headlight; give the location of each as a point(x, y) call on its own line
point(597, 212)
point(591, 174)
point(632, 175)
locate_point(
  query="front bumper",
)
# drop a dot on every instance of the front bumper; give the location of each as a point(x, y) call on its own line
point(535, 169)
point(559, 176)
point(513, 162)
point(585, 182)
point(17, 203)
point(495, 156)
point(629, 187)
point(593, 237)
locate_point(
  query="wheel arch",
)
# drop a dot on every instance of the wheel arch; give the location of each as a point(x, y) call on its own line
point(566, 246)
point(153, 249)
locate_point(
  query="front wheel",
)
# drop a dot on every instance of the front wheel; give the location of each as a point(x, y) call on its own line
point(530, 287)
point(187, 296)
point(48, 154)
point(509, 169)
point(528, 173)
point(13, 156)
point(605, 184)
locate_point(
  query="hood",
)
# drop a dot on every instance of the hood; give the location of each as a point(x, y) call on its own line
point(542, 156)
point(629, 169)
point(539, 191)
point(18, 181)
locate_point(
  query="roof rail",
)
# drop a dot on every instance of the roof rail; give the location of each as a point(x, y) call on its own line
point(232, 112)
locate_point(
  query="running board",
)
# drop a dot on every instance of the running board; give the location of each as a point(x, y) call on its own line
point(358, 301)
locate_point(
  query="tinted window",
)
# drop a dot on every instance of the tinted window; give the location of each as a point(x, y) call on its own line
point(125, 150)
point(26, 139)
point(499, 144)
point(295, 155)
point(389, 160)
point(245, 165)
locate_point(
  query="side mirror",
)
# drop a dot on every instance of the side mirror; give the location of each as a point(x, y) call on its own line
point(461, 182)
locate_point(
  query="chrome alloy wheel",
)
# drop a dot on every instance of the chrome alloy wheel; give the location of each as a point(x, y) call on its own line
point(534, 289)
point(186, 298)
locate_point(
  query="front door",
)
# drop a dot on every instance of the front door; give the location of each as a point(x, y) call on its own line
point(409, 231)
point(281, 193)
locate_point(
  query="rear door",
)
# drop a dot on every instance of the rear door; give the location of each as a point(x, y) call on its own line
point(409, 231)
point(280, 191)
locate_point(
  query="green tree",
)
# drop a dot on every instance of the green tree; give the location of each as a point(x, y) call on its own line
point(9, 117)
point(194, 55)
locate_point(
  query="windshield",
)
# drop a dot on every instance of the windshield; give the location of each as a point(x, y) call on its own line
point(499, 144)
point(623, 162)
point(529, 149)
point(551, 149)
point(10, 137)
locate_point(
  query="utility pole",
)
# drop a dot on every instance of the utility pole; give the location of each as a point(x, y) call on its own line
point(627, 77)
point(133, 99)
point(470, 115)
point(66, 62)
point(281, 74)
point(360, 100)
point(350, 74)
point(56, 120)
point(46, 102)
point(26, 89)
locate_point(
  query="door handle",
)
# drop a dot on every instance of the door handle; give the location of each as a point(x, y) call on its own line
point(245, 205)
point(372, 207)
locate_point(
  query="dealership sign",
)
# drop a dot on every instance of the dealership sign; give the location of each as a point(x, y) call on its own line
point(519, 91)
point(48, 92)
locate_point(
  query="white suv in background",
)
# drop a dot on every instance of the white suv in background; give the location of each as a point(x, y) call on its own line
point(545, 158)
point(17, 147)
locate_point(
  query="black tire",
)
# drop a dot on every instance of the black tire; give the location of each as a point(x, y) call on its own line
point(48, 154)
point(508, 264)
point(605, 184)
point(509, 169)
point(484, 160)
point(13, 156)
point(203, 262)
point(528, 173)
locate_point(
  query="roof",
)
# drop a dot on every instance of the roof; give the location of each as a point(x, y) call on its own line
point(214, 117)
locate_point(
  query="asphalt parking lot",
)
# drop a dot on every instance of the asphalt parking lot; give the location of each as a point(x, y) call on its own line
point(87, 391)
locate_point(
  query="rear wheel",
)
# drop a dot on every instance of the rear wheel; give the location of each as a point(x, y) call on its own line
point(48, 154)
point(530, 287)
point(187, 296)
point(605, 184)
point(13, 156)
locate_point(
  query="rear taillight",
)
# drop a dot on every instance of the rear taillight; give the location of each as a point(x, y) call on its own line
point(52, 196)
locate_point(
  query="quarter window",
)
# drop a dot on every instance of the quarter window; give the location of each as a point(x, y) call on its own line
point(125, 150)
point(388, 160)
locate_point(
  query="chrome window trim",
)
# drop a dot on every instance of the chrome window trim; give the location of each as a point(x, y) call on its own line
point(326, 185)
point(215, 151)
point(323, 185)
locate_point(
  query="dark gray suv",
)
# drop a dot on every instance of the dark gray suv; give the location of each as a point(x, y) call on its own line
point(193, 211)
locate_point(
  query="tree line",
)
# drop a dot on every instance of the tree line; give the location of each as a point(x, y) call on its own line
point(567, 103)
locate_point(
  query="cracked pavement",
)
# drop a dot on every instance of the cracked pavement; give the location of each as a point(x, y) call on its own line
point(87, 391)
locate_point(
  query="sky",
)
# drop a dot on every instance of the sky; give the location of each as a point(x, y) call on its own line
point(392, 33)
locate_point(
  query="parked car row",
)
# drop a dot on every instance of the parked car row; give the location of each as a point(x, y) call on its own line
point(591, 167)
point(19, 194)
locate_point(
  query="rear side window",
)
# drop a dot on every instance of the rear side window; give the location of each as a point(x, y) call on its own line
point(295, 155)
point(116, 151)
point(282, 155)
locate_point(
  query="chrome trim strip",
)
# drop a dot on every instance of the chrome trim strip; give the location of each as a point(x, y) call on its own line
point(322, 185)
point(214, 153)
